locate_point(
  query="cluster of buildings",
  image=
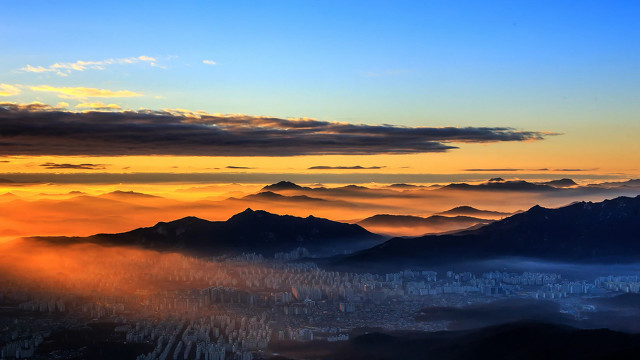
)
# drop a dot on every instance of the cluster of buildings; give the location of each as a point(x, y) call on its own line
point(627, 284)
point(235, 307)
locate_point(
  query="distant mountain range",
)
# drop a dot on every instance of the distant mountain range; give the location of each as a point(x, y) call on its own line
point(249, 231)
point(416, 225)
point(605, 232)
point(497, 185)
point(471, 211)
point(562, 183)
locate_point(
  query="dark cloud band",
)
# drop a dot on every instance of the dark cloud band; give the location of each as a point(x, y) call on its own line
point(357, 167)
point(56, 166)
point(48, 131)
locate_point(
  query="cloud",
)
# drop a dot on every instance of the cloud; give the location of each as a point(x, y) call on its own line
point(506, 169)
point(571, 170)
point(84, 92)
point(209, 62)
point(55, 166)
point(357, 167)
point(248, 178)
point(42, 130)
point(98, 106)
point(9, 90)
point(237, 167)
point(64, 69)
point(32, 106)
point(542, 169)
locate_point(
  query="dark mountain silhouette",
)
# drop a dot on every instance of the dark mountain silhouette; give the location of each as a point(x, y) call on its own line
point(562, 183)
point(518, 340)
point(271, 196)
point(519, 185)
point(605, 232)
point(284, 185)
point(248, 231)
point(419, 225)
point(339, 192)
point(633, 183)
point(403, 186)
point(471, 211)
point(119, 194)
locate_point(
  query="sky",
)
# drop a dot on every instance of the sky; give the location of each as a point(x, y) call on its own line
point(464, 88)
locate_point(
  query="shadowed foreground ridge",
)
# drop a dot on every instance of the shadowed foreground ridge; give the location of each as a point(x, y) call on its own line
point(249, 231)
point(519, 340)
point(606, 232)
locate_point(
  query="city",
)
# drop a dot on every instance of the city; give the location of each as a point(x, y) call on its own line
point(241, 307)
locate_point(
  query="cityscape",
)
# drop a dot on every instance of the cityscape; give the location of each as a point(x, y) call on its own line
point(247, 307)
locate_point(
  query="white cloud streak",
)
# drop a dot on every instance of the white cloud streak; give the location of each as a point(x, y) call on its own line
point(64, 69)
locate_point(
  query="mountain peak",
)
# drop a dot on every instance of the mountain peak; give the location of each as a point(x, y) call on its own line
point(250, 215)
point(566, 182)
point(283, 185)
point(604, 232)
point(120, 193)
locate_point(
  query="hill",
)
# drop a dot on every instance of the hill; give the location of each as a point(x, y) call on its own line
point(471, 211)
point(248, 231)
point(603, 232)
point(518, 340)
point(416, 225)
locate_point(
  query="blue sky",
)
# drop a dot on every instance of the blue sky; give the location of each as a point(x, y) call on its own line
point(410, 62)
point(568, 67)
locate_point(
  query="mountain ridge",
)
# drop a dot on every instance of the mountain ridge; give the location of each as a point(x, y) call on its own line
point(607, 231)
point(248, 231)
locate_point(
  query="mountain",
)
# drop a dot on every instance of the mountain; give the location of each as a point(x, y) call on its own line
point(284, 185)
point(525, 340)
point(271, 196)
point(403, 186)
point(501, 185)
point(605, 232)
point(471, 211)
point(248, 231)
point(632, 183)
point(562, 183)
point(416, 225)
point(119, 194)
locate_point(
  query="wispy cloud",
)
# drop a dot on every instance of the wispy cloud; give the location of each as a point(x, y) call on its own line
point(65, 68)
point(84, 92)
point(356, 167)
point(98, 106)
point(504, 169)
point(9, 90)
point(576, 170)
point(209, 62)
point(32, 106)
point(56, 166)
point(237, 167)
point(516, 169)
point(181, 132)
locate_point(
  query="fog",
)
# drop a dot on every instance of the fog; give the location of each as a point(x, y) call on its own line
point(54, 210)
point(89, 269)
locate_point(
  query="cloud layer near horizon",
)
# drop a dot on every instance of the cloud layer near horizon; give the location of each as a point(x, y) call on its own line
point(44, 130)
